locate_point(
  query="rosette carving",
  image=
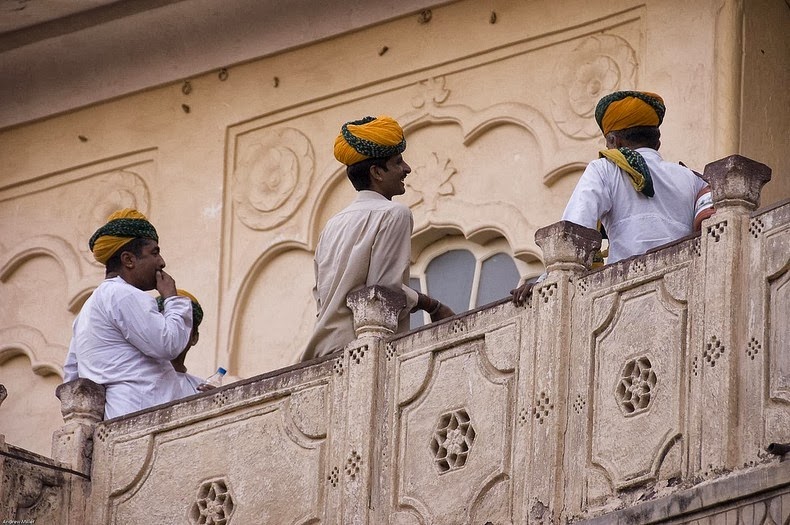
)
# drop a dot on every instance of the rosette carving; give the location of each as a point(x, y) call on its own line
point(597, 66)
point(271, 177)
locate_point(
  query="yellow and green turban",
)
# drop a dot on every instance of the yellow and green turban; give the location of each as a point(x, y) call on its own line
point(629, 109)
point(122, 227)
point(197, 311)
point(370, 137)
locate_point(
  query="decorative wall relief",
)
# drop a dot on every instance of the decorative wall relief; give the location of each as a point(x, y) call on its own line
point(634, 390)
point(214, 504)
point(432, 181)
point(272, 173)
point(597, 66)
point(431, 91)
point(452, 441)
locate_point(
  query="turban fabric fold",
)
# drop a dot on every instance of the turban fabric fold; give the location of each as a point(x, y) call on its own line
point(628, 109)
point(367, 138)
point(122, 227)
point(197, 311)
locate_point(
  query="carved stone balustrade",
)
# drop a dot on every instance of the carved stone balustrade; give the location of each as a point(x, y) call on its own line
point(643, 391)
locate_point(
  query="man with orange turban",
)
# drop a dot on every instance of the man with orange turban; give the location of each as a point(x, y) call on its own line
point(120, 339)
point(369, 242)
point(641, 200)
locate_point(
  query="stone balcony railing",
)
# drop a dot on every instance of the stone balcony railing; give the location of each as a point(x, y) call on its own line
point(644, 391)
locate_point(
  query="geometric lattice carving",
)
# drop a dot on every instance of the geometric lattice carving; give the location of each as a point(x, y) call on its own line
point(756, 227)
point(638, 267)
point(523, 416)
point(635, 387)
point(713, 350)
point(582, 286)
point(753, 348)
point(695, 366)
point(579, 403)
point(214, 505)
point(696, 247)
point(220, 398)
point(103, 433)
point(337, 366)
point(332, 478)
point(353, 464)
point(717, 230)
point(458, 327)
point(452, 441)
point(547, 292)
point(542, 407)
point(390, 351)
point(357, 354)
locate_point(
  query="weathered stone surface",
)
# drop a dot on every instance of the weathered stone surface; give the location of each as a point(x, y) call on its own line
point(375, 310)
point(567, 246)
point(736, 181)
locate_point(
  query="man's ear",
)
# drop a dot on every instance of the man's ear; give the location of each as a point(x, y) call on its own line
point(374, 172)
point(128, 259)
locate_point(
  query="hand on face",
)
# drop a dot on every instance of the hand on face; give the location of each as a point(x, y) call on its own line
point(165, 284)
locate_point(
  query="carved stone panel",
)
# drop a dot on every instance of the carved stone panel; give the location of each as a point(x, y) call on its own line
point(442, 448)
point(778, 245)
point(229, 474)
point(638, 357)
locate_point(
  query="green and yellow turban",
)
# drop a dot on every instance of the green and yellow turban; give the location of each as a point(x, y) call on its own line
point(122, 227)
point(629, 109)
point(370, 137)
point(197, 311)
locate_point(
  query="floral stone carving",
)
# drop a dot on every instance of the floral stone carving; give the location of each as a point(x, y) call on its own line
point(271, 177)
point(214, 505)
point(635, 388)
point(452, 441)
point(599, 65)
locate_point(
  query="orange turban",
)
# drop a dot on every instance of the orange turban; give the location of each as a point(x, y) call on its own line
point(628, 109)
point(370, 137)
point(122, 227)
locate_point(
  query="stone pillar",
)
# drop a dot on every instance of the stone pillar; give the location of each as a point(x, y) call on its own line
point(82, 406)
point(731, 283)
point(376, 311)
point(568, 250)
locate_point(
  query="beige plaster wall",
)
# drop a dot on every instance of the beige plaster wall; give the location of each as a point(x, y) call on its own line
point(238, 176)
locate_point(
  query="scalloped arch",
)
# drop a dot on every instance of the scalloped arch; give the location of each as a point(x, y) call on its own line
point(26, 340)
point(78, 286)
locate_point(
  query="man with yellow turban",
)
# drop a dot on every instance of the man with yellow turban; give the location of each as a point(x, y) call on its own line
point(369, 242)
point(641, 200)
point(119, 338)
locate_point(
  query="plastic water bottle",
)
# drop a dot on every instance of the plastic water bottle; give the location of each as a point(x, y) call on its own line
point(215, 379)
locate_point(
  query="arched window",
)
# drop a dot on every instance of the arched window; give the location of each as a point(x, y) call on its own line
point(466, 275)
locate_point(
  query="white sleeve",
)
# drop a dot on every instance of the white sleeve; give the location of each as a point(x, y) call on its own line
point(591, 198)
point(70, 372)
point(158, 335)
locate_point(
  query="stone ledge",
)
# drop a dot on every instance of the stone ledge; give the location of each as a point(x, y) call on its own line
point(711, 497)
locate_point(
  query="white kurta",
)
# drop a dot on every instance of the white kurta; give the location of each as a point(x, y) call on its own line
point(635, 223)
point(366, 244)
point(122, 341)
point(188, 384)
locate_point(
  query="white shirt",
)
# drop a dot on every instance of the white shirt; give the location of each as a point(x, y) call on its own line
point(368, 243)
point(635, 223)
point(188, 384)
point(122, 341)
